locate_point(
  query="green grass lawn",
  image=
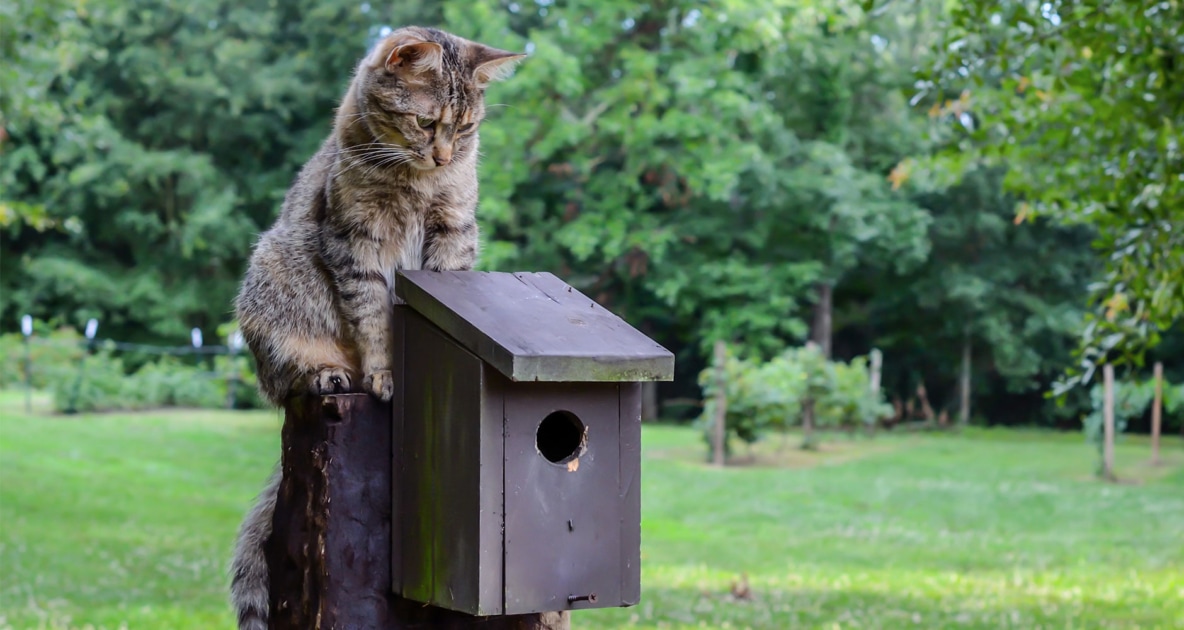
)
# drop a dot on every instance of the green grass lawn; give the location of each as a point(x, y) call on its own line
point(126, 521)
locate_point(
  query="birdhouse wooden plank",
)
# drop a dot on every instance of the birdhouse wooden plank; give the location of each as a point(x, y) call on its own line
point(534, 327)
point(517, 426)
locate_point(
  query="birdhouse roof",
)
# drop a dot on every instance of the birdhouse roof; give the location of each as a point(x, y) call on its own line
point(534, 327)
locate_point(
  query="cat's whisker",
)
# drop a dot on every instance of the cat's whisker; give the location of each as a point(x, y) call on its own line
point(367, 147)
point(392, 160)
point(387, 156)
point(356, 164)
point(356, 160)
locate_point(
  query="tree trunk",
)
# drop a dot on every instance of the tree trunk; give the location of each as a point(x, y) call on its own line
point(329, 555)
point(821, 332)
point(1157, 413)
point(923, 399)
point(964, 408)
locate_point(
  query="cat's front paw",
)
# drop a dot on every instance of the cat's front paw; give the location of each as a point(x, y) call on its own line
point(331, 380)
point(380, 384)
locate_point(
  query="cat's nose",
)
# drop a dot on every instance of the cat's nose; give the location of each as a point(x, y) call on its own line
point(442, 158)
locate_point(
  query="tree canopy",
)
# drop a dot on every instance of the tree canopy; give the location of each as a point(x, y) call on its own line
point(1082, 102)
point(754, 171)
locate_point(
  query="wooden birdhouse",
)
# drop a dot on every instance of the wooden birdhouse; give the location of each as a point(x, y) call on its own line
point(517, 428)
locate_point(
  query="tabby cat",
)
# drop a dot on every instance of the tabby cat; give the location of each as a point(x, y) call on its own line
point(393, 187)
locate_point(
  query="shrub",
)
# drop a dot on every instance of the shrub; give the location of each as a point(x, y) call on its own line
point(850, 400)
point(102, 382)
point(94, 385)
point(773, 395)
point(743, 418)
point(50, 352)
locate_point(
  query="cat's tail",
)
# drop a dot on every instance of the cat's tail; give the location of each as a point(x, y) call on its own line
point(249, 584)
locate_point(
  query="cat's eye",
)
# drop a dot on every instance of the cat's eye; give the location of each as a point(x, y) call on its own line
point(467, 128)
point(425, 122)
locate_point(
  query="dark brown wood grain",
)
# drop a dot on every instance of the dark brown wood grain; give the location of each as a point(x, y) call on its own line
point(534, 327)
point(330, 552)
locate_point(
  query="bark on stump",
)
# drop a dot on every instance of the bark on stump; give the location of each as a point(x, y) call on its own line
point(330, 549)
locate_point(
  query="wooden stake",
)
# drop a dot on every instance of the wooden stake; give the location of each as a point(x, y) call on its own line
point(28, 377)
point(876, 366)
point(964, 409)
point(1157, 413)
point(1108, 422)
point(719, 429)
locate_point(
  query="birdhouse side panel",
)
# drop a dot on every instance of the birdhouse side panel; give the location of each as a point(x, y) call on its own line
point(630, 492)
point(440, 515)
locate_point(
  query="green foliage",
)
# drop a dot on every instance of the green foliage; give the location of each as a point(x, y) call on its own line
point(1173, 404)
point(1081, 101)
point(100, 383)
point(743, 418)
point(145, 143)
point(97, 383)
point(688, 158)
point(850, 401)
point(81, 380)
point(765, 396)
point(1014, 292)
point(49, 353)
point(706, 169)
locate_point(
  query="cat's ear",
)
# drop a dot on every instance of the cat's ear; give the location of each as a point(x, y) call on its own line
point(417, 58)
point(491, 64)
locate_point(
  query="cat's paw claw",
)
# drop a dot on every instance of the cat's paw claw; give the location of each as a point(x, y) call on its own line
point(330, 381)
point(380, 384)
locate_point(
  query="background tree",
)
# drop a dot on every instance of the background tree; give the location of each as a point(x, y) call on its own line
point(691, 173)
point(1011, 295)
point(750, 171)
point(1080, 99)
point(160, 140)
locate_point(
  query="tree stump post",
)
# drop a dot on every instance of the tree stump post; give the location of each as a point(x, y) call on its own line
point(329, 554)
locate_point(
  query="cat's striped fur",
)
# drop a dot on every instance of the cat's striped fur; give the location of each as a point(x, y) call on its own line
point(393, 187)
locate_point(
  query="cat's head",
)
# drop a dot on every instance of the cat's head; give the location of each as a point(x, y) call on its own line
point(423, 90)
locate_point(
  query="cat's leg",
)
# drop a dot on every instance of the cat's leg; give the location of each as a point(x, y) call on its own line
point(356, 264)
point(369, 312)
point(450, 241)
point(287, 315)
point(316, 365)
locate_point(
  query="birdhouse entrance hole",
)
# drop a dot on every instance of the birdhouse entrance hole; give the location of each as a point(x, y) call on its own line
point(561, 437)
